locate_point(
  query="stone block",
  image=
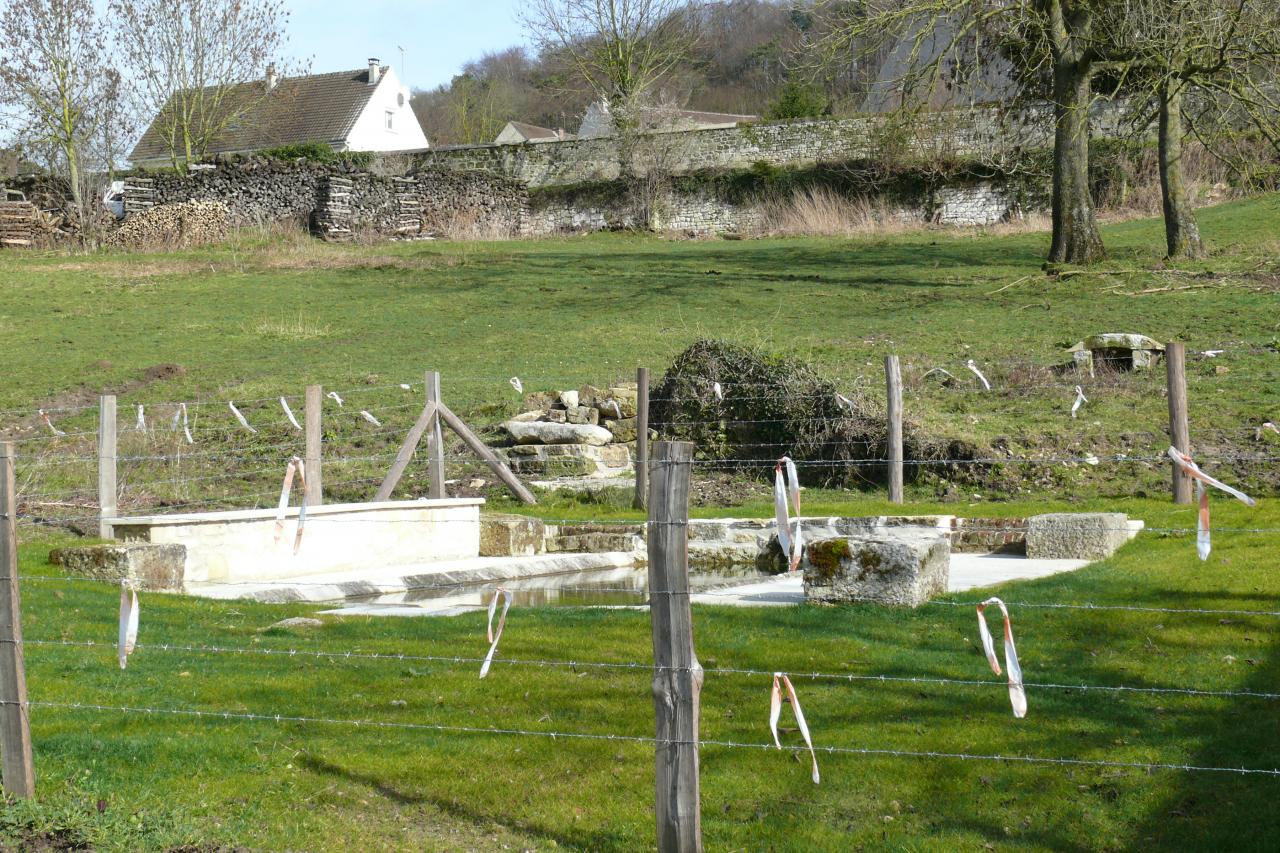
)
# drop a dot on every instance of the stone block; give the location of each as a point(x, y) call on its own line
point(553, 433)
point(1076, 536)
point(569, 399)
point(557, 416)
point(511, 536)
point(582, 415)
point(623, 430)
point(989, 535)
point(615, 456)
point(540, 400)
point(899, 570)
point(151, 567)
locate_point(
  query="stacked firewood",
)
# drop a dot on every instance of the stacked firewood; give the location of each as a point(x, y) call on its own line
point(173, 226)
point(18, 221)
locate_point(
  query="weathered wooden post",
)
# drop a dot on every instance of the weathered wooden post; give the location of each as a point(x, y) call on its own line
point(642, 438)
point(893, 383)
point(677, 675)
point(1175, 357)
point(15, 724)
point(106, 463)
point(315, 434)
point(435, 440)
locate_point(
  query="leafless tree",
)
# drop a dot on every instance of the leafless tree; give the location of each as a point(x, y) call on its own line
point(1210, 69)
point(620, 49)
point(949, 42)
point(188, 58)
point(57, 78)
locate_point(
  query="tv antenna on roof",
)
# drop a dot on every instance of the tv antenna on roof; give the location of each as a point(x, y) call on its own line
point(403, 76)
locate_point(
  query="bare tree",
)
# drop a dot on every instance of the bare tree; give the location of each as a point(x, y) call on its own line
point(1222, 54)
point(947, 42)
point(56, 76)
point(620, 49)
point(187, 59)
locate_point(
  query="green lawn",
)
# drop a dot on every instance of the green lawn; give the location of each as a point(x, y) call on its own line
point(165, 780)
point(265, 315)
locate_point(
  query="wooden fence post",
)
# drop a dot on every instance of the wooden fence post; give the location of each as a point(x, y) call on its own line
point(314, 430)
point(15, 722)
point(642, 438)
point(893, 383)
point(435, 440)
point(677, 675)
point(1175, 357)
point(106, 463)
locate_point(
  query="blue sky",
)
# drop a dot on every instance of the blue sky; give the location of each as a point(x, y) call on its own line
point(438, 36)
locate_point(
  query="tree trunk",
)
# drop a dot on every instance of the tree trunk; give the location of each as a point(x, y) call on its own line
point(1182, 234)
point(1076, 238)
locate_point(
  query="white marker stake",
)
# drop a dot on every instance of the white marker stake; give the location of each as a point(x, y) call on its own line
point(1081, 399)
point(780, 509)
point(370, 418)
point(244, 423)
point(128, 622)
point(775, 711)
point(1017, 696)
point(53, 429)
point(288, 413)
point(141, 424)
point(978, 373)
point(502, 621)
point(1203, 545)
point(517, 384)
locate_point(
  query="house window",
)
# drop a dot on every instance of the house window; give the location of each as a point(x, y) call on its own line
point(389, 117)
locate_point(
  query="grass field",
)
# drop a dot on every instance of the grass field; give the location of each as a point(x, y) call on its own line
point(150, 781)
point(267, 314)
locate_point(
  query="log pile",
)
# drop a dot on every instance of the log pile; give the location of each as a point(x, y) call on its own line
point(408, 206)
point(173, 226)
point(332, 218)
point(18, 221)
point(139, 195)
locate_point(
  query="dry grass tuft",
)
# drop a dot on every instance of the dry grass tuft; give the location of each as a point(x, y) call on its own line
point(293, 330)
point(822, 212)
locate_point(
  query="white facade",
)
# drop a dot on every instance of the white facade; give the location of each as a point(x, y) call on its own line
point(387, 122)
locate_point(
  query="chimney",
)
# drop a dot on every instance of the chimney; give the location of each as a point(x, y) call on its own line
point(272, 77)
point(375, 71)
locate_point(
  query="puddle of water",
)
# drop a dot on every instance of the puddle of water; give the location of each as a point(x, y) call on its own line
point(600, 588)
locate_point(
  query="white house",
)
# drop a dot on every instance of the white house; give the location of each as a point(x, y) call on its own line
point(363, 110)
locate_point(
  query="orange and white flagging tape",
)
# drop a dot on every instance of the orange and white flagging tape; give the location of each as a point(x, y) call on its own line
point(978, 373)
point(53, 429)
point(775, 711)
point(495, 636)
point(1017, 696)
point(1081, 399)
point(295, 467)
point(240, 417)
point(128, 622)
point(288, 413)
point(792, 545)
point(1188, 466)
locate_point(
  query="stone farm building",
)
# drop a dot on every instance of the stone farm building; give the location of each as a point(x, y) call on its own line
point(518, 132)
point(363, 110)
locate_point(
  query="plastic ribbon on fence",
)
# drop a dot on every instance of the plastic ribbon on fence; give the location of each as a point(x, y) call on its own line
point(845, 403)
point(53, 429)
point(180, 419)
point(333, 395)
point(792, 545)
point(240, 417)
point(494, 636)
point(141, 424)
point(294, 468)
point(775, 711)
point(288, 413)
point(517, 384)
point(370, 418)
point(128, 622)
point(978, 373)
point(1017, 696)
point(1267, 425)
point(1081, 399)
point(718, 391)
point(405, 386)
point(1192, 470)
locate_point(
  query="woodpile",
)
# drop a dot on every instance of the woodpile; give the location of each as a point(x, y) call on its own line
point(332, 218)
point(173, 226)
point(408, 206)
point(18, 223)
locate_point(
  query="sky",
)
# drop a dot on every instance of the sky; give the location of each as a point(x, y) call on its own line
point(438, 36)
